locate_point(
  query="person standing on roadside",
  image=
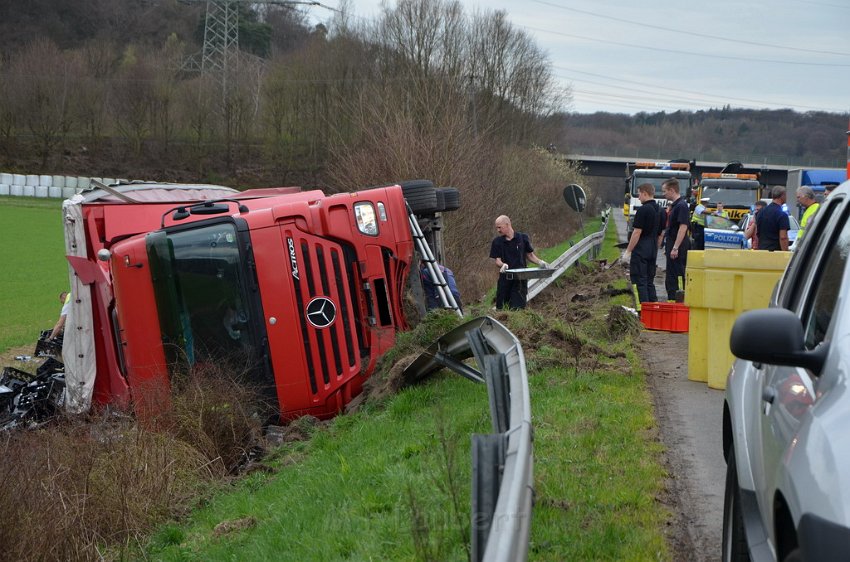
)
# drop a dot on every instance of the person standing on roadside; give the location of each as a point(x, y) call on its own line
point(827, 190)
point(752, 232)
point(806, 198)
point(772, 223)
point(511, 250)
point(642, 251)
point(676, 236)
point(698, 224)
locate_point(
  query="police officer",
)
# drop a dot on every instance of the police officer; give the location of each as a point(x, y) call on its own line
point(698, 224)
point(642, 251)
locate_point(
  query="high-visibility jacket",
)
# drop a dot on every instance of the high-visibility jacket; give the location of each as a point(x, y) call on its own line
point(807, 217)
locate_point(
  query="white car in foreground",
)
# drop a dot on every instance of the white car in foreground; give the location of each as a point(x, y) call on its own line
point(786, 417)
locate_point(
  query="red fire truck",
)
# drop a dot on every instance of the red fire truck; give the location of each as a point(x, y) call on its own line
point(296, 292)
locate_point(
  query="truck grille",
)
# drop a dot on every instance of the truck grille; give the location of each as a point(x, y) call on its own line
point(330, 350)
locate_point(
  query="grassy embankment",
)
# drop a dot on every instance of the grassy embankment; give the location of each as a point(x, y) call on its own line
point(34, 269)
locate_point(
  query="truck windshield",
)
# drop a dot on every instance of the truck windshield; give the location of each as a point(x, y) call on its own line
point(200, 289)
point(656, 181)
point(744, 194)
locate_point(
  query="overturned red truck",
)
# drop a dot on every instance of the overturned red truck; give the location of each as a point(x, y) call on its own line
point(297, 291)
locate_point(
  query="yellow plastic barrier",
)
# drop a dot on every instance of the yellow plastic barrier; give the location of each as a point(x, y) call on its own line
point(719, 286)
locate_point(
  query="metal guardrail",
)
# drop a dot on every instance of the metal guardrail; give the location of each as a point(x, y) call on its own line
point(568, 258)
point(502, 462)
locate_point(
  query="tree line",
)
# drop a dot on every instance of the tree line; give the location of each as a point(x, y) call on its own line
point(425, 90)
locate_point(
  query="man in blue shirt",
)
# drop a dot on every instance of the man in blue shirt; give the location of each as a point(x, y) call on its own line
point(676, 236)
point(772, 223)
point(432, 295)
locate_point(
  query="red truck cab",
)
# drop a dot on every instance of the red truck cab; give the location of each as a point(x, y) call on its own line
point(295, 293)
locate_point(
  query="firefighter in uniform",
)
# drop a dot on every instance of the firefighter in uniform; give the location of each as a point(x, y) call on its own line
point(642, 251)
point(676, 240)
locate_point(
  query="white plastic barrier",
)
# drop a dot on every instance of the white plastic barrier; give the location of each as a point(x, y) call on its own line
point(57, 181)
point(19, 179)
point(83, 182)
point(41, 190)
point(71, 181)
point(32, 180)
point(54, 191)
point(108, 181)
point(45, 180)
point(16, 190)
point(4, 189)
point(29, 191)
point(68, 192)
point(6, 179)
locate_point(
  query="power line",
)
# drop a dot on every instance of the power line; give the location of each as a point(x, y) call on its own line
point(668, 89)
point(689, 32)
point(680, 52)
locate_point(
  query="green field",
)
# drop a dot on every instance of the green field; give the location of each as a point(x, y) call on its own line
point(34, 269)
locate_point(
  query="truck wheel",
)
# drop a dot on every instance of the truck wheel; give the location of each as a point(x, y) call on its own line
point(734, 539)
point(452, 197)
point(421, 196)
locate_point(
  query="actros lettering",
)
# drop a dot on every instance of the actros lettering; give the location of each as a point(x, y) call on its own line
point(293, 261)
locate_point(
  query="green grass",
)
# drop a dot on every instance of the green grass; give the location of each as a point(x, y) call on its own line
point(34, 269)
point(351, 492)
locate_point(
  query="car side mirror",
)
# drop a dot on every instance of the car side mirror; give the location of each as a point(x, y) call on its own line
point(774, 336)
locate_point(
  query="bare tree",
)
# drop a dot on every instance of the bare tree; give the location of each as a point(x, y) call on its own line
point(42, 78)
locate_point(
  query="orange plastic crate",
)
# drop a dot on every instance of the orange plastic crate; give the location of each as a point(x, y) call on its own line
point(664, 316)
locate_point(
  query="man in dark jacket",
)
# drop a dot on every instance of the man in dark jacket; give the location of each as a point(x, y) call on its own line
point(676, 235)
point(642, 251)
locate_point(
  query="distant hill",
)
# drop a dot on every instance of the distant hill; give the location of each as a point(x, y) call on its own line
point(755, 136)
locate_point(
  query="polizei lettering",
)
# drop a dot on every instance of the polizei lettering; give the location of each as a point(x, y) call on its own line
point(293, 261)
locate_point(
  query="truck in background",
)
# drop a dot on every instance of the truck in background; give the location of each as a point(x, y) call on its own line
point(655, 173)
point(296, 292)
point(738, 192)
point(816, 178)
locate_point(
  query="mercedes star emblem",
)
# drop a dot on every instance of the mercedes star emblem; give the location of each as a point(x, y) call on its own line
point(321, 312)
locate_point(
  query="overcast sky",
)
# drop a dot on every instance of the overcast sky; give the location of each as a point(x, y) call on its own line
point(625, 56)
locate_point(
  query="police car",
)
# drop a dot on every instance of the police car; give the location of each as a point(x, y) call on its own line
point(723, 233)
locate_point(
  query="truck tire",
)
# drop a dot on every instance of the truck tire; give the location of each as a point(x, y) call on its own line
point(452, 198)
point(420, 195)
point(441, 200)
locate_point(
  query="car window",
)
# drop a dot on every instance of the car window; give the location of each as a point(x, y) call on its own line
point(796, 276)
point(827, 285)
point(722, 223)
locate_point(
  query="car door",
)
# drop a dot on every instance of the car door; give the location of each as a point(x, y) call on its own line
point(810, 288)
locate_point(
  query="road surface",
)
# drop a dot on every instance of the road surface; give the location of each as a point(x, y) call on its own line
point(689, 416)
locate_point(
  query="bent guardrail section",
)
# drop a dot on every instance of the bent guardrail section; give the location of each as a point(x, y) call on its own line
point(502, 462)
point(568, 258)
